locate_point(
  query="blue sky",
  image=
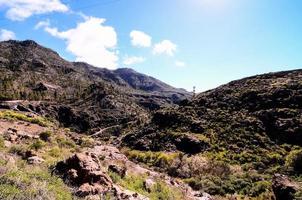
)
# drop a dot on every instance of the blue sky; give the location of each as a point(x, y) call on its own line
point(186, 43)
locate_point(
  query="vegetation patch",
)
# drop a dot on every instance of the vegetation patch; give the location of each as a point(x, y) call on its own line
point(11, 115)
point(156, 159)
point(294, 161)
point(159, 190)
point(20, 180)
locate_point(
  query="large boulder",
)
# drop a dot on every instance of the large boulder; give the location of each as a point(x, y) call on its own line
point(283, 187)
point(84, 171)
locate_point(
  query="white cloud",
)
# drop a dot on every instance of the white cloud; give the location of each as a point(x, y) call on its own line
point(133, 60)
point(19, 10)
point(180, 63)
point(6, 35)
point(165, 47)
point(90, 41)
point(140, 39)
point(41, 24)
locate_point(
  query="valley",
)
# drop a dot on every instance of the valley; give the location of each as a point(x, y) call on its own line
point(69, 130)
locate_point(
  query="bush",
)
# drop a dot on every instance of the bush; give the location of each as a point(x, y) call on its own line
point(135, 183)
point(20, 182)
point(45, 136)
point(86, 142)
point(37, 145)
point(55, 152)
point(8, 191)
point(157, 159)
point(114, 177)
point(64, 142)
point(294, 161)
point(260, 188)
point(18, 149)
point(162, 192)
point(1, 142)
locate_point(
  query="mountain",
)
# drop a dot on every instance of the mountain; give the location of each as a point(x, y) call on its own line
point(254, 124)
point(127, 135)
point(91, 97)
point(266, 109)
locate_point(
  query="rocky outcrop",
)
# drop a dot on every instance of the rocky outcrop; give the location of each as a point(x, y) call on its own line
point(87, 172)
point(84, 170)
point(283, 187)
point(14, 135)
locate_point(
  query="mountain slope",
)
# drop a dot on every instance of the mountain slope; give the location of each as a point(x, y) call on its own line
point(91, 97)
point(253, 125)
point(269, 105)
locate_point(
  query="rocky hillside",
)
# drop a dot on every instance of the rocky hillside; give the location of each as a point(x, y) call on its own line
point(254, 123)
point(77, 94)
point(73, 131)
point(39, 160)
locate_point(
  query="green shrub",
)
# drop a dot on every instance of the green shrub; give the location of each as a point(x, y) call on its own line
point(65, 142)
point(260, 188)
point(45, 136)
point(294, 161)
point(158, 159)
point(31, 182)
point(87, 142)
point(55, 152)
point(37, 145)
point(8, 191)
point(160, 191)
point(18, 149)
point(2, 142)
point(114, 177)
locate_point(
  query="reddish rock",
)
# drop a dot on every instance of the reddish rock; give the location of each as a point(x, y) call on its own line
point(283, 187)
point(84, 170)
point(90, 189)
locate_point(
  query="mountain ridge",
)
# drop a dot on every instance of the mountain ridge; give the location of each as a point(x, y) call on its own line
point(233, 141)
point(33, 72)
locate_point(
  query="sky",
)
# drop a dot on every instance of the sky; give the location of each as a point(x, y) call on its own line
point(185, 43)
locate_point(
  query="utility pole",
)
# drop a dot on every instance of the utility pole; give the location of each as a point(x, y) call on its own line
point(194, 92)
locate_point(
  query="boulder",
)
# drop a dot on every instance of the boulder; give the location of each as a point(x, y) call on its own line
point(7, 143)
point(84, 171)
point(206, 196)
point(148, 184)
point(90, 189)
point(283, 187)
